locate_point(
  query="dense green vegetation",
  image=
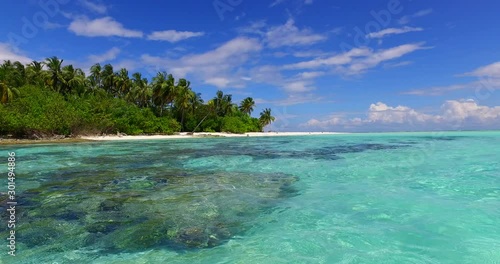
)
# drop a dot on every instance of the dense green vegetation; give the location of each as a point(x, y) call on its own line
point(46, 98)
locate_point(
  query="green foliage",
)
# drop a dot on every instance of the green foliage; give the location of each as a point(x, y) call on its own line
point(41, 112)
point(45, 112)
point(46, 98)
point(233, 124)
point(240, 123)
point(211, 125)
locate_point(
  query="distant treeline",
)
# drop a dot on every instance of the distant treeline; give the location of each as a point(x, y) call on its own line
point(45, 99)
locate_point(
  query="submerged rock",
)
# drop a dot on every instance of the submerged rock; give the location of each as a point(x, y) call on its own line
point(111, 205)
point(194, 237)
point(173, 209)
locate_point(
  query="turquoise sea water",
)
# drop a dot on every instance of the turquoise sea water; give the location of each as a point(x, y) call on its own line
point(360, 198)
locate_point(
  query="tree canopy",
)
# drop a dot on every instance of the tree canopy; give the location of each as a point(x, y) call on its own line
point(50, 98)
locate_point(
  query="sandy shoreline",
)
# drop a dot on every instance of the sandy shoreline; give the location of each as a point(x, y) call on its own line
point(204, 135)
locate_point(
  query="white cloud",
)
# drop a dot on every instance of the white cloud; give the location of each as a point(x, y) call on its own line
point(266, 74)
point(7, 52)
point(422, 13)
point(488, 81)
point(107, 56)
point(406, 19)
point(331, 122)
point(310, 75)
point(284, 35)
point(454, 114)
point(397, 64)
point(276, 2)
point(129, 64)
point(437, 90)
point(376, 58)
point(101, 27)
point(357, 60)
point(309, 53)
point(491, 70)
point(393, 31)
point(465, 111)
point(339, 59)
point(220, 67)
point(218, 82)
point(298, 86)
point(94, 7)
point(293, 99)
point(382, 113)
point(173, 35)
point(289, 35)
point(235, 50)
point(255, 27)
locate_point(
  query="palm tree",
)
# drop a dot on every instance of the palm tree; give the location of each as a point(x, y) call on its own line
point(19, 74)
point(195, 102)
point(6, 71)
point(164, 90)
point(73, 80)
point(7, 93)
point(216, 103)
point(223, 103)
point(247, 105)
point(108, 79)
point(122, 82)
point(35, 73)
point(141, 92)
point(184, 97)
point(54, 66)
point(266, 118)
point(95, 77)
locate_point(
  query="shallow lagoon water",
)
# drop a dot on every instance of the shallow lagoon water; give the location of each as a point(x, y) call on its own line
point(360, 198)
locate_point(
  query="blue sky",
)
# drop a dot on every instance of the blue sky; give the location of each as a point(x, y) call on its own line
point(321, 65)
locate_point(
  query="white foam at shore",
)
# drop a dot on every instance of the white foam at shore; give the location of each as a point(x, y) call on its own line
point(199, 135)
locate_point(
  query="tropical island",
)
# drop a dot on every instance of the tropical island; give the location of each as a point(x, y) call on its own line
point(46, 99)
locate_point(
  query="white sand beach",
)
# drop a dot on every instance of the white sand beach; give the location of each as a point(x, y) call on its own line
point(206, 134)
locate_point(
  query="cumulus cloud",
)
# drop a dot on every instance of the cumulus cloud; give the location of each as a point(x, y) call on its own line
point(101, 27)
point(173, 35)
point(382, 113)
point(331, 122)
point(393, 31)
point(469, 111)
point(454, 114)
point(7, 52)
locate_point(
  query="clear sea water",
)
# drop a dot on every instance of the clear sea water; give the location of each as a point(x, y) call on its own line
point(359, 198)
